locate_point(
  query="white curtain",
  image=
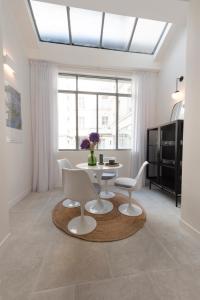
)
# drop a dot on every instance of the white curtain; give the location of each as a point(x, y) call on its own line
point(144, 91)
point(43, 85)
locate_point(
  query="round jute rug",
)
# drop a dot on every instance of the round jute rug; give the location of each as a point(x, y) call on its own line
point(110, 227)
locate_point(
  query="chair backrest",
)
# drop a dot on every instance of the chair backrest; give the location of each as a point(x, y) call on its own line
point(139, 176)
point(78, 186)
point(63, 164)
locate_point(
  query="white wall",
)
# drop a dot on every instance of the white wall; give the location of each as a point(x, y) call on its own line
point(191, 155)
point(4, 223)
point(19, 159)
point(173, 66)
point(91, 57)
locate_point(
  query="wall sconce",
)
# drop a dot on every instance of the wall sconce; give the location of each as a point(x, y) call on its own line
point(178, 95)
point(9, 65)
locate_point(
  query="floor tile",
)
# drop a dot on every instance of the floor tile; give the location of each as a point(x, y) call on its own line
point(35, 201)
point(72, 261)
point(139, 253)
point(126, 288)
point(178, 284)
point(181, 245)
point(65, 293)
point(17, 282)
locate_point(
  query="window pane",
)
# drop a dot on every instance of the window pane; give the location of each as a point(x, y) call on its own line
point(87, 115)
point(146, 35)
point(96, 85)
point(125, 123)
point(117, 31)
point(124, 87)
point(85, 26)
point(107, 122)
point(51, 20)
point(66, 121)
point(67, 83)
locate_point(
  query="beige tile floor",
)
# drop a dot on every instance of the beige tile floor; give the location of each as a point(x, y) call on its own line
point(39, 262)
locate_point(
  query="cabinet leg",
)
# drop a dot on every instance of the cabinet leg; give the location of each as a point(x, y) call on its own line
point(150, 185)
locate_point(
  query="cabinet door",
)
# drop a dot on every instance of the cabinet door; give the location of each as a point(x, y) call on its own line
point(152, 153)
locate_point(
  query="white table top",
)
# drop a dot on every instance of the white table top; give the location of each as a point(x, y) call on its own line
point(98, 167)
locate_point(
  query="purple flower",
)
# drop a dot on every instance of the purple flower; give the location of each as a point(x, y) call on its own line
point(94, 137)
point(85, 144)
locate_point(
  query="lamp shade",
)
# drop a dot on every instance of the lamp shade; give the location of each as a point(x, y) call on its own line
point(178, 96)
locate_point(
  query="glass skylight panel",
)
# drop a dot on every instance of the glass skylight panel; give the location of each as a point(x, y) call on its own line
point(51, 21)
point(146, 36)
point(85, 26)
point(117, 31)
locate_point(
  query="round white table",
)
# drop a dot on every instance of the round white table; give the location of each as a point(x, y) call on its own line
point(98, 206)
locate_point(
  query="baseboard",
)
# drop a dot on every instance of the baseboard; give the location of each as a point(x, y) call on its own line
point(4, 240)
point(19, 197)
point(190, 228)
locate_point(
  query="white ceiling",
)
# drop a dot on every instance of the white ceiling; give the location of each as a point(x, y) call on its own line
point(174, 11)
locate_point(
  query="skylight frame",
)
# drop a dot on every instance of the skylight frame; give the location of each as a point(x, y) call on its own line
point(100, 46)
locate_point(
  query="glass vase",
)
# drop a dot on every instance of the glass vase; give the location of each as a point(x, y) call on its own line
point(92, 160)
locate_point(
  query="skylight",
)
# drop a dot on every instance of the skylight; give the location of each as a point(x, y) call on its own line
point(147, 35)
point(85, 27)
point(51, 22)
point(82, 27)
point(117, 31)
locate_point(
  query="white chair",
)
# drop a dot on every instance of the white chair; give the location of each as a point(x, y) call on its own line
point(106, 176)
point(130, 185)
point(66, 164)
point(77, 185)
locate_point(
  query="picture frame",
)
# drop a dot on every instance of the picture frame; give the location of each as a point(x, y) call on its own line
point(13, 114)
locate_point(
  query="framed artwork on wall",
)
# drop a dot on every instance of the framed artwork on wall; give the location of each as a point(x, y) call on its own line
point(13, 114)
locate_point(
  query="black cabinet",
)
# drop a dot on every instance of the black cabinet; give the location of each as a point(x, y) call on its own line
point(164, 154)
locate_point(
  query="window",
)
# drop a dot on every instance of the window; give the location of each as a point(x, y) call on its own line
point(94, 104)
point(124, 123)
point(51, 22)
point(89, 28)
point(104, 121)
point(117, 31)
point(87, 110)
point(85, 26)
point(147, 35)
point(107, 111)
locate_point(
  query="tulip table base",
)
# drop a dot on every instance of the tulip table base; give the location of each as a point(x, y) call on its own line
point(99, 206)
point(70, 203)
point(107, 195)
